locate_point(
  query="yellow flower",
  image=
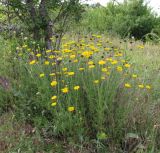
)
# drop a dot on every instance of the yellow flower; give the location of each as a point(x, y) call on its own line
point(107, 49)
point(54, 63)
point(64, 69)
point(24, 46)
point(141, 86)
point(118, 54)
point(127, 85)
point(71, 73)
point(54, 104)
point(123, 61)
point(91, 66)
point(127, 65)
point(65, 90)
point(134, 76)
point(108, 73)
point(99, 44)
point(20, 54)
point(46, 63)
point(38, 55)
point(109, 59)
point(32, 62)
point(76, 87)
point(52, 74)
point(103, 78)
point(48, 51)
point(66, 50)
point(96, 81)
point(119, 69)
point(101, 62)
point(54, 97)
point(72, 56)
point(104, 69)
point(148, 87)
point(81, 69)
point(59, 59)
point(51, 56)
point(87, 54)
point(75, 61)
point(114, 62)
point(99, 36)
point(71, 109)
point(141, 46)
point(28, 49)
point(41, 75)
point(54, 83)
point(90, 63)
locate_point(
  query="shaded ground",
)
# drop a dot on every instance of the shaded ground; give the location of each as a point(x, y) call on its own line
point(18, 137)
point(15, 137)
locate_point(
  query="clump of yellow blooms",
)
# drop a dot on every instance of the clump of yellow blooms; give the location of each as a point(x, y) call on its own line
point(88, 59)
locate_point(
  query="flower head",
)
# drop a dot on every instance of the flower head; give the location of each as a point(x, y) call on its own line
point(32, 62)
point(41, 75)
point(65, 90)
point(76, 87)
point(71, 73)
point(119, 69)
point(46, 63)
point(134, 76)
point(141, 86)
point(96, 81)
point(54, 83)
point(148, 87)
point(54, 97)
point(127, 65)
point(101, 62)
point(54, 104)
point(127, 85)
point(71, 109)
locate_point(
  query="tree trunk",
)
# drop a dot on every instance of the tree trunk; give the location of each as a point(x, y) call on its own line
point(34, 19)
point(46, 24)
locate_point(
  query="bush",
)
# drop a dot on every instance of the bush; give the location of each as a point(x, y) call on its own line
point(131, 18)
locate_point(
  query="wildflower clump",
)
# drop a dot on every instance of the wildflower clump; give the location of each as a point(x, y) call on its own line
point(89, 77)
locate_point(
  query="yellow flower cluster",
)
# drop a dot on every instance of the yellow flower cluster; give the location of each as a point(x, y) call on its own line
point(87, 57)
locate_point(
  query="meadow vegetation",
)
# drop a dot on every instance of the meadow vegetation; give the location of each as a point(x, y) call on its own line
point(94, 89)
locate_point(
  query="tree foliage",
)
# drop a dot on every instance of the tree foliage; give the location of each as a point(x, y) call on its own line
point(38, 17)
point(130, 18)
